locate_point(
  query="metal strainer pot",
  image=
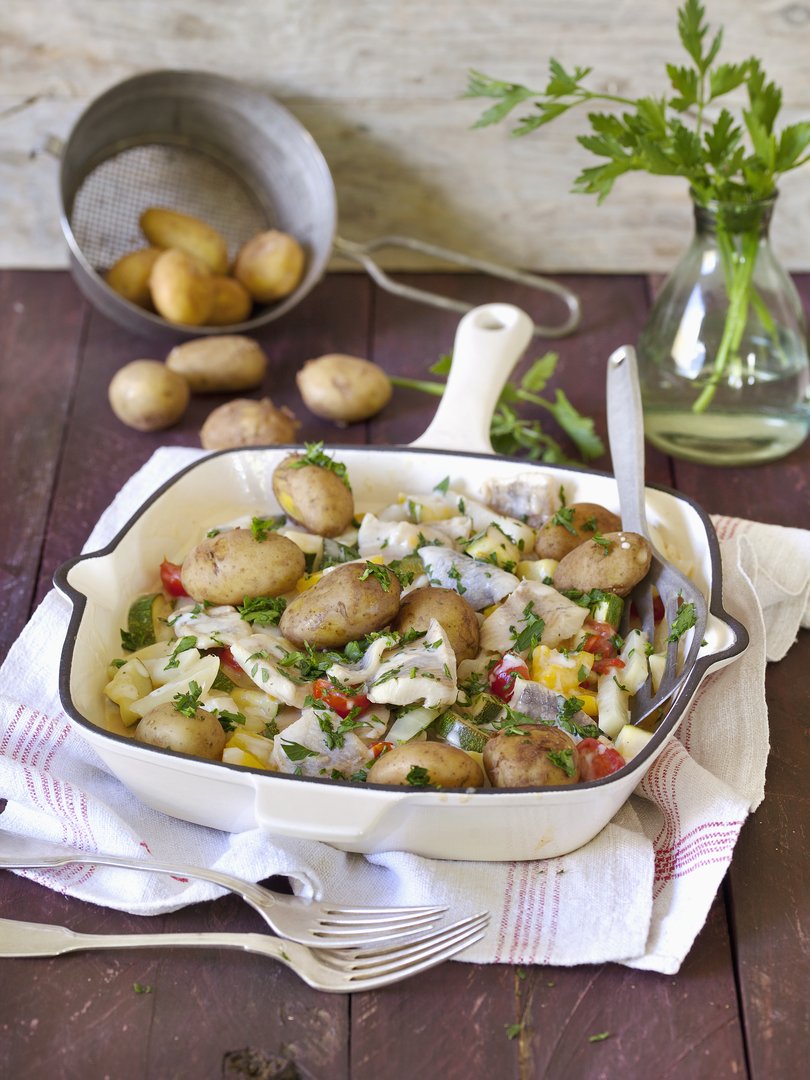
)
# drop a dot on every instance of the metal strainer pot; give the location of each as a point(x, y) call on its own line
point(230, 155)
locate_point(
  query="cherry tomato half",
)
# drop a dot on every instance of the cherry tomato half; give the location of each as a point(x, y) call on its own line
point(170, 577)
point(337, 701)
point(503, 674)
point(597, 760)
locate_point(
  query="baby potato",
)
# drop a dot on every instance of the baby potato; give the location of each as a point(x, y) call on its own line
point(226, 568)
point(270, 265)
point(314, 496)
point(129, 276)
point(244, 422)
point(232, 302)
point(200, 735)
point(344, 605)
point(523, 760)
point(147, 396)
point(581, 520)
point(614, 562)
point(427, 764)
point(181, 288)
point(447, 607)
point(344, 389)
point(170, 229)
point(219, 365)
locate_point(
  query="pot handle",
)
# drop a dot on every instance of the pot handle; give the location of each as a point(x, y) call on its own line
point(489, 342)
point(353, 813)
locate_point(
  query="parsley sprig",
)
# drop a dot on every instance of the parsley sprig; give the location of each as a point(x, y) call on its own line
point(315, 456)
point(731, 163)
point(514, 435)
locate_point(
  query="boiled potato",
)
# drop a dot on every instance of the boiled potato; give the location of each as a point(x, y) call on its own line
point(614, 562)
point(344, 605)
point(200, 735)
point(427, 764)
point(170, 229)
point(232, 302)
point(147, 396)
point(244, 422)
point(219, 365)
point(226, 568)
point(344, 389)
point(270, 265)
point(129, 276)
point(447, 607)
point(313, 495)
point(516, 760)
point(572, 526)
point(182, 288)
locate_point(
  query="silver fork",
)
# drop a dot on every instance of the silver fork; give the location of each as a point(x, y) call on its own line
point(309, 922)
point(626, 438)
point(336, 971)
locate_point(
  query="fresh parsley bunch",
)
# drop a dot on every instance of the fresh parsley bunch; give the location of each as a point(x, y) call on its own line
point(671, 135)
point(731, 164)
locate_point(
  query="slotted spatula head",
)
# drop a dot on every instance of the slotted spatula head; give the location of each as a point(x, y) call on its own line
point(626, 437)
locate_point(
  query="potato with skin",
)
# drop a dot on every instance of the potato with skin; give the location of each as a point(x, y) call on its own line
point(347, 603)
point(614, 562)
point(456, 617)
point(200, 735)
point(225, 568)
point(522, 759)
point(217, 365)
point(232, 302)
point(147, 396)
point(344, 389)
point(428, 764)
point(182, 288)
point(270, 265)
point(571, 526)
point(313, 495)
point(165, 228)
point(129, 276)
point(244, 422)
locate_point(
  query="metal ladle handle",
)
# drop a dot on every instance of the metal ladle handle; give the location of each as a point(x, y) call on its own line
point(361, 253)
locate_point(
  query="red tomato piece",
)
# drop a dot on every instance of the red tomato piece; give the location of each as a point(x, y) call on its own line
point(337, 701)
point(607, 663)
point(379, 748)
point(503, 674)
point(170, 578)
point(597, 760)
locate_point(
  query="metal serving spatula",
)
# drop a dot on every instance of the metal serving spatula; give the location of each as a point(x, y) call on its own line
point(626, 437)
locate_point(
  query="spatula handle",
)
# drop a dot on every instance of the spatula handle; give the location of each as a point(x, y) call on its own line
point(626, 434)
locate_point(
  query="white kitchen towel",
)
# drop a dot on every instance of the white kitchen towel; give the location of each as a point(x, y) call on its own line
point(638, 894)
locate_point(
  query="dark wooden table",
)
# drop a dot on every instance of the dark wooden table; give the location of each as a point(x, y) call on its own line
point(739, 1006)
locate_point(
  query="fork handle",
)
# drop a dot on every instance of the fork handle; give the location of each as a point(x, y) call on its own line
point(21, 853)
point(19, 938)
point(626, 436)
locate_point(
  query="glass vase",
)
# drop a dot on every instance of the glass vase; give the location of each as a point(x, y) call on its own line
point(723, 362)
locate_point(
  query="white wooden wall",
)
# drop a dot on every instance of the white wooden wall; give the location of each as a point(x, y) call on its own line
point(379, 84)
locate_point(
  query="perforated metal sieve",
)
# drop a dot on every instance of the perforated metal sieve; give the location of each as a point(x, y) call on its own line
point(230, 155)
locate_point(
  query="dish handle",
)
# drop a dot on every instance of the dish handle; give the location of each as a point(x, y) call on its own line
point(489, 342)
point(337, 817)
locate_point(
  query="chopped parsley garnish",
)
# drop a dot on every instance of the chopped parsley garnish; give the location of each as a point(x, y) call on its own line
point(260, 527)
point(513, 1030)
point(270, 729)
point(187, 704)
point(684, 620)
point(262, 610)
point(589, 524)
point(563, 759)
point(564, 517)
point(603, 542)
point(567, 708)
point(381, 573)
point(529, 637)
point(229, 720)
point(295, 751)
point(315, 456)
point(118, 663)
point(417, 776)
point(183, 645)
point(141, 988)
point(455, 574)
point(336, 553)
point(443, 485)
point(599, 1037)
point(212, 533)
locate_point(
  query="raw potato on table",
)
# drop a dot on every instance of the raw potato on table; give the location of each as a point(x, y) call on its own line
point(344, 389)
point(148, 396)
point(245, 422)
point(224, 364)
